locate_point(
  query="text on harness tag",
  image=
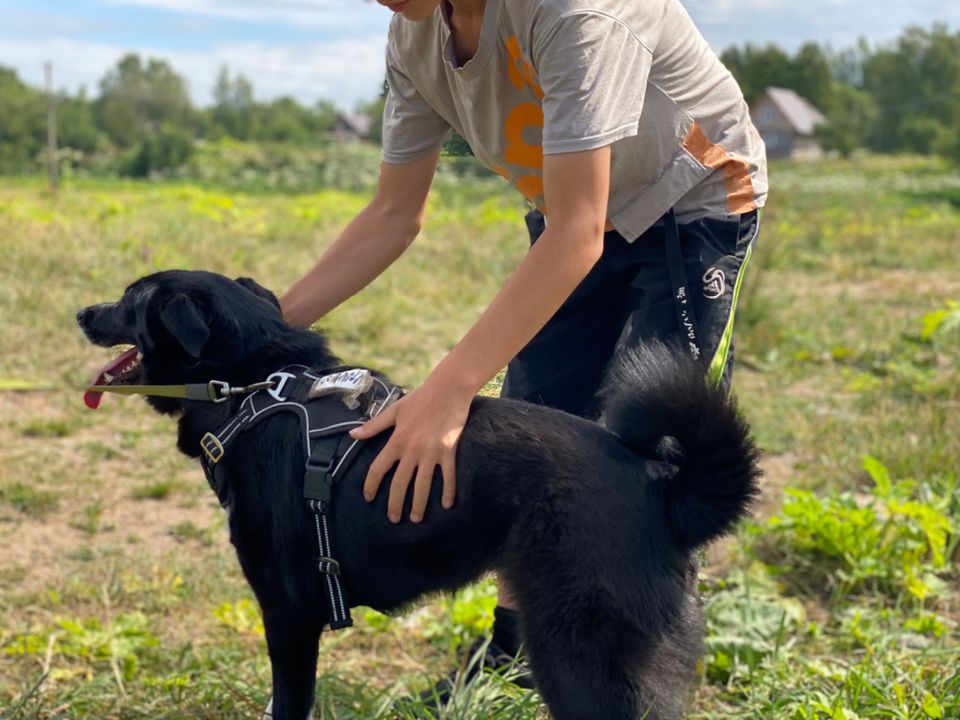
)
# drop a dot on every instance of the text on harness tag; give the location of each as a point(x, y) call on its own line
point(349, 383)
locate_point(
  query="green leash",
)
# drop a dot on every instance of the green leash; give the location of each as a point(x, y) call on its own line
point(215, 391)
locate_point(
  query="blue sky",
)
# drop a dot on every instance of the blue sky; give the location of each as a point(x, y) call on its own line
point(333, 49)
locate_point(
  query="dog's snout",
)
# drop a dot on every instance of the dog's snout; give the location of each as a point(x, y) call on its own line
point(101, 324)
point(87, 317)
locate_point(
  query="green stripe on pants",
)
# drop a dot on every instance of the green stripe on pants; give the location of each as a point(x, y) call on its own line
point(719, 362)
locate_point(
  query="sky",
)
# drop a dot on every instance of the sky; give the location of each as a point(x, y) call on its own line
point(333, 49)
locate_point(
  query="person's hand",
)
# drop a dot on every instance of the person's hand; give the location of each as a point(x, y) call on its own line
point(427, 426)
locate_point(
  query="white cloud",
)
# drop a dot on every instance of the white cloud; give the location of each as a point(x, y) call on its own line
point(344, 63)
point(344, 71)
point(341, 15)
point(839, 23)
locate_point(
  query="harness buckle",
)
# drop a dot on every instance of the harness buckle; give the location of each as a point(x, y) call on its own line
point(212, 448)
point(218, 391)
point(317, 483)
point(377, 408)
point(332, 566)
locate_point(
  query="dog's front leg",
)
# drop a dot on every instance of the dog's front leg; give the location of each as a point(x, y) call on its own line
point(292, 639)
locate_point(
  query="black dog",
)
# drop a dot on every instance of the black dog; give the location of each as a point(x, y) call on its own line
point(594, 526)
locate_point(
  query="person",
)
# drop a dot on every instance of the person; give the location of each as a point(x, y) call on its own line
point(634, 145)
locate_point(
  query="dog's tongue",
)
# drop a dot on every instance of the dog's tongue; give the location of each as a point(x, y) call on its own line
point(92, 398)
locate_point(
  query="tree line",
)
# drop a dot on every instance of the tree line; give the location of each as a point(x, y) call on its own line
point(903, 96)
point(143, 120)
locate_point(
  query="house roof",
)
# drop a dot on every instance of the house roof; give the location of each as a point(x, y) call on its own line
point(355, 123)
point(802, 116)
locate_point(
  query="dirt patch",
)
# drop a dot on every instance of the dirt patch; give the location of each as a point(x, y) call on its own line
point(40, 551)
point(52, 446)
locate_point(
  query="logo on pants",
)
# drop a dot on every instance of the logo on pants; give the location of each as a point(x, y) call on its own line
point(714, 282)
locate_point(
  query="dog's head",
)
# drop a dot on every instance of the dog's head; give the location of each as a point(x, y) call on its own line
point(184, 327)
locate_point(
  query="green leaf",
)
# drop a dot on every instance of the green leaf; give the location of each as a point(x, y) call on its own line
point(879, 474)
point(931, 323)
point(931, 707)
point(940, 321)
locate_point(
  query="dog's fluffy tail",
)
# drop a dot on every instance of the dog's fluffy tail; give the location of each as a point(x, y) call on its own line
point(657, 400)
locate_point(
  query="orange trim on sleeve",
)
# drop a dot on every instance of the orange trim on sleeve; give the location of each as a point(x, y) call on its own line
point(737, 182)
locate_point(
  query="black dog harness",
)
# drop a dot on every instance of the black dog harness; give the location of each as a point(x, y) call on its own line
point(327, 405)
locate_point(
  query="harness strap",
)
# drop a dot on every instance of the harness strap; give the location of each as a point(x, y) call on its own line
point(327, 406)
point(678, 279)
point(317, 490)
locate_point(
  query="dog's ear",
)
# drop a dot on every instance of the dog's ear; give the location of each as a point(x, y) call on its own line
point(258, 290)
point(183, 321)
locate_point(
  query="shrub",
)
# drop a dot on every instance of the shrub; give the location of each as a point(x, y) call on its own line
point(895, 539)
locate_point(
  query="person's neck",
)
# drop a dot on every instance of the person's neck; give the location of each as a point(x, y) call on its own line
point(470, 11)
point(466, 22)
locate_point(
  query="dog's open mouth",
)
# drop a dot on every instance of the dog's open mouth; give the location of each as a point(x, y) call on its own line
point(121, 370)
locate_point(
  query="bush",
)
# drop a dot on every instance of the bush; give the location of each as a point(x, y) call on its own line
point(896, 539)
point(169, 148)
point(922, 135)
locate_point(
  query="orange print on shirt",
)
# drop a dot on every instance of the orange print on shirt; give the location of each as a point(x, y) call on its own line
point(518, 150)
point(520, 71)
point(525, 115)
point(735, 172)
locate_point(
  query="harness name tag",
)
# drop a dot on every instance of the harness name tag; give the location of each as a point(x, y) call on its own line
point(349, 383)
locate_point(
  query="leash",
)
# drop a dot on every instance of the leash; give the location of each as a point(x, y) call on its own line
point(678, 279)
point(215, 391)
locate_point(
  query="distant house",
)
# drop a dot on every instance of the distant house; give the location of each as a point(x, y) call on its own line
point(786, 123)
point(351, 127)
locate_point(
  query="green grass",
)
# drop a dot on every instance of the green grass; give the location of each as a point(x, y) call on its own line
point(28, 500)
point(839, 600)
point(159, 490)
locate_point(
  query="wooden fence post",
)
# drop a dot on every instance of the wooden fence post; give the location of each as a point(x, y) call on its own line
point(53, 167)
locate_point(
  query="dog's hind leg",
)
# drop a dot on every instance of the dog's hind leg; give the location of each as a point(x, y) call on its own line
point(293, 635)
point(583, 672)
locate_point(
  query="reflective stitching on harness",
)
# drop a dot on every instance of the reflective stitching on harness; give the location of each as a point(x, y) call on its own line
point(335, 580)
point(345, 456)
point(234, 424)
point(352, 423)
point(327, 578)
point(293, 406)
point(242, 417)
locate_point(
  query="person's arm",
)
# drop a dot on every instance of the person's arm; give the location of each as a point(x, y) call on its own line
point(428, 422)
point(368, 245)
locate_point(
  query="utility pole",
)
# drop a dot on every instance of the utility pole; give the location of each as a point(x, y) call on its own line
point(53, 169)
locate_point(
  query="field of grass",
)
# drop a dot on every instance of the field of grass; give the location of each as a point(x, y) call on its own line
point(120, 596)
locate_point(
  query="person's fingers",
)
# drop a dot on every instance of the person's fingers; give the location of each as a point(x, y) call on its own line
point(448, 466)
point(398, 488)
point(376, 425)
point(378, 468)
point(421, 491)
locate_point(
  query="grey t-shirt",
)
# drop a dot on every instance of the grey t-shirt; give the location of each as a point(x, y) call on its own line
point(559, 76)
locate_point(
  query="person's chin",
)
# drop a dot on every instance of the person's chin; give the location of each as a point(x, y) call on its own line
point(415, 15)
point(417, 11)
